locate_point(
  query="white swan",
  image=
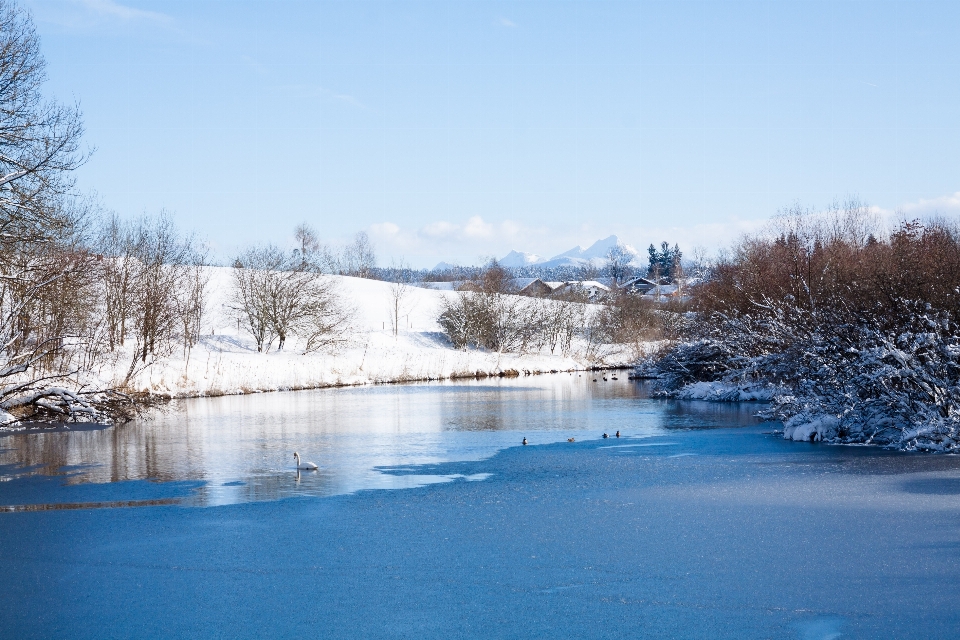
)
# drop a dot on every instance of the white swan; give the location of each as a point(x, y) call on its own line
point(303, 465)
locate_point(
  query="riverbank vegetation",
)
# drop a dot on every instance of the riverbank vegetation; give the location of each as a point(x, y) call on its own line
point(849, 327)
point(488, 314)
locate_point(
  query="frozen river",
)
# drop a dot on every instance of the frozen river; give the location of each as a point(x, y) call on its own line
point(240, 448)
point(427, 520)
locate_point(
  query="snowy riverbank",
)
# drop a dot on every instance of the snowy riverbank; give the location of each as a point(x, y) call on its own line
point(226, 361)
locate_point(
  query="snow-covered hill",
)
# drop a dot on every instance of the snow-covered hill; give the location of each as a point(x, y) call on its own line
point(226, 360)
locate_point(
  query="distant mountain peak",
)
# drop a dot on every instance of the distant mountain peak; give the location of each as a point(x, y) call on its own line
point(595, 255)
point(520, 259)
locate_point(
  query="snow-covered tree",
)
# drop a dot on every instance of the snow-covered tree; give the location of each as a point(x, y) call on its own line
point(854, 331)
point(619, 266)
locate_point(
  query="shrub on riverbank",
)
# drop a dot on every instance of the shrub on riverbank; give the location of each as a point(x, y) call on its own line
point(856, 331)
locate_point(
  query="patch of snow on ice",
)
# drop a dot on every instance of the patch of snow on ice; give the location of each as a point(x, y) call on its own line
point(805, 428)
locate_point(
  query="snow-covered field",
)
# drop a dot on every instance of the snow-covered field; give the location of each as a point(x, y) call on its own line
point(226, 360)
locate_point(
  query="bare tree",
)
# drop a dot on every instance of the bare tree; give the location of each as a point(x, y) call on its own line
point(278, 295)
point(250, 289)
point(153, 286)
point(400, 296)
point(618, 264)
point(191, 299)
point(356, 259)
point(700, 265)
point(39, 140)
point(361, 255)
point(42, 333)
point(495, 279)
point(326, 318)
point(308, 243)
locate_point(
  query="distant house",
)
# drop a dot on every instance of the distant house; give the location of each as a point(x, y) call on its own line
point(638, 286)
point(532, 287)
point(592, 288)
point(663, 292)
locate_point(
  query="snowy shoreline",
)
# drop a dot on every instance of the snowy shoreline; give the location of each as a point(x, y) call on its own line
point(815, 424)
point(226, 362)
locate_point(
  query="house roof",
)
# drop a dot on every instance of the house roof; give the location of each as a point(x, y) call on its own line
point(523, 283)
point(634, 282)
point(591, 284)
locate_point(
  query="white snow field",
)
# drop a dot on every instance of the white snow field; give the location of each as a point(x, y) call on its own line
point(226, 360)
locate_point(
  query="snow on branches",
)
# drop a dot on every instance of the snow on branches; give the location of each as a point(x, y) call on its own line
point(855, 338)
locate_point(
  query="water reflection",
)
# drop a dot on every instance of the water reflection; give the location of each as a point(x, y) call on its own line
point(240, 447)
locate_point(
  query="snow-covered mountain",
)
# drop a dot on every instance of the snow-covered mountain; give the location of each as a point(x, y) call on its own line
point(595, 254)
point(520, 259)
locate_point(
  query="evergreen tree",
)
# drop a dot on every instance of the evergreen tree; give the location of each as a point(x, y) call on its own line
point(663, 263)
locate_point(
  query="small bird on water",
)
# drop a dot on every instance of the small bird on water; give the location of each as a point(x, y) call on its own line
point(618, 433)
point(524, 441)
point(571, 439)
point(309, 466)
point(605, 436)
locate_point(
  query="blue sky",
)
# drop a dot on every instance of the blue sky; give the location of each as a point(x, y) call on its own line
point(454, 130)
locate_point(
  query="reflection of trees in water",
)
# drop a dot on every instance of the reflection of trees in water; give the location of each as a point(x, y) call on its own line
point(699, 414)
point(558, 407)
point(133, 451)
point(349, 432)
point(479, 421)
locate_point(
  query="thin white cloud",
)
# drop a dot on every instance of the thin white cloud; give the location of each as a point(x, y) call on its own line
point(386, 229)
point(111, 9)
point(477, 228)
point(508, 23)
point(463, 242)
point(343, 97)
point(474, 229)
point(440, 230)
point(944, 205)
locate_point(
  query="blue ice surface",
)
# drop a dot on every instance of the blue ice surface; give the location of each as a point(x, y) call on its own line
point(752, 537)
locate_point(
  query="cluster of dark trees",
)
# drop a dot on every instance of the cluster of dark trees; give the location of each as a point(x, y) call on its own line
point(665, 263)
point(619, 270)
point(855, 326)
